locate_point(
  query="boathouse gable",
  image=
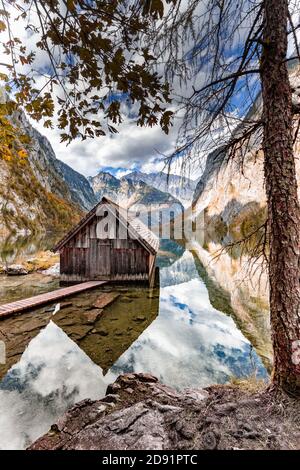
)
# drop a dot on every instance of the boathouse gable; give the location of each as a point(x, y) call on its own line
point(125, 252)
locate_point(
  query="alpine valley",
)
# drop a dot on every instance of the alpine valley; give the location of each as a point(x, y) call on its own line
point(41, 193)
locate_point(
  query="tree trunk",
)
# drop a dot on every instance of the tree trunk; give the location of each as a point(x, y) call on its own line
point(283, 204)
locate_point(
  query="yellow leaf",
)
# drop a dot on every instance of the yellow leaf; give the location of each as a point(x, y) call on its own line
point(2, 26)
point(22, 153)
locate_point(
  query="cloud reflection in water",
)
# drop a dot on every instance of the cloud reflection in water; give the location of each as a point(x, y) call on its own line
point(51, 376)
point(190, 344)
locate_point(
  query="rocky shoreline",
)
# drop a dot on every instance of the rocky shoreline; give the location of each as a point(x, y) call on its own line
point(44, 262)
point(138, 412)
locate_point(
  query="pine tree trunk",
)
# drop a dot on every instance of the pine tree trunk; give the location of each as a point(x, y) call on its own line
point(283, 204)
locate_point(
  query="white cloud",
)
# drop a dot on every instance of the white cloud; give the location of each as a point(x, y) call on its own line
point(180, 346)
point(132, 147)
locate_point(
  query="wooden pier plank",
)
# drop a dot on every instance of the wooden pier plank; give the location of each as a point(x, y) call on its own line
point(41, 299)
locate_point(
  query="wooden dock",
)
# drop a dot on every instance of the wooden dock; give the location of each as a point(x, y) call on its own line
point(48, 297)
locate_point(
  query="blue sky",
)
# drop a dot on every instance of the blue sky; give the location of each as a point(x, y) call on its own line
point(133, 147)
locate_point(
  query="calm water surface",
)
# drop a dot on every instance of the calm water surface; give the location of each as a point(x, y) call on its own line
point(56, 360)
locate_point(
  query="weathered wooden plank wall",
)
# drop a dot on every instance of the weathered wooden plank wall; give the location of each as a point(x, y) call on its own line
point(86, 256)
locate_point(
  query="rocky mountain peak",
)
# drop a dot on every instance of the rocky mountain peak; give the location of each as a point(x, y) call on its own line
point(180, 187)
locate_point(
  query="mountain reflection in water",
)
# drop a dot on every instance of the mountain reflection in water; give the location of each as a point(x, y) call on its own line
point(190, 344)
point(56, 361)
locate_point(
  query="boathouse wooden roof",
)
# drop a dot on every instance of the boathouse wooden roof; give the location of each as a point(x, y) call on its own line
point(136, 228)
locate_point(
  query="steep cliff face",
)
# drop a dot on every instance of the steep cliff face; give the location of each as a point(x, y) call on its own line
point(105, 184)
point(53, 174)
point(234, 204)
point(229, 195)
point(40, 192)
point(26, 207)
point(232, 196)
point(232, 193)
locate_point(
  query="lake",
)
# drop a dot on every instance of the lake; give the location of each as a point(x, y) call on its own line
point(186, 332)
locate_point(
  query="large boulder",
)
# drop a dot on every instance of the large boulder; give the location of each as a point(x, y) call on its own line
point(15, 270)
point(138, 412)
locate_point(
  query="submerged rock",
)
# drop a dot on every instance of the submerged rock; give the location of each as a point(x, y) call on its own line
point(101, 332)
point(93, 315)
point(105, 299)
point(140, 318)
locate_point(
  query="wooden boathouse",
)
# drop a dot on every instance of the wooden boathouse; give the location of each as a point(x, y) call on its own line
point(108, 244)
